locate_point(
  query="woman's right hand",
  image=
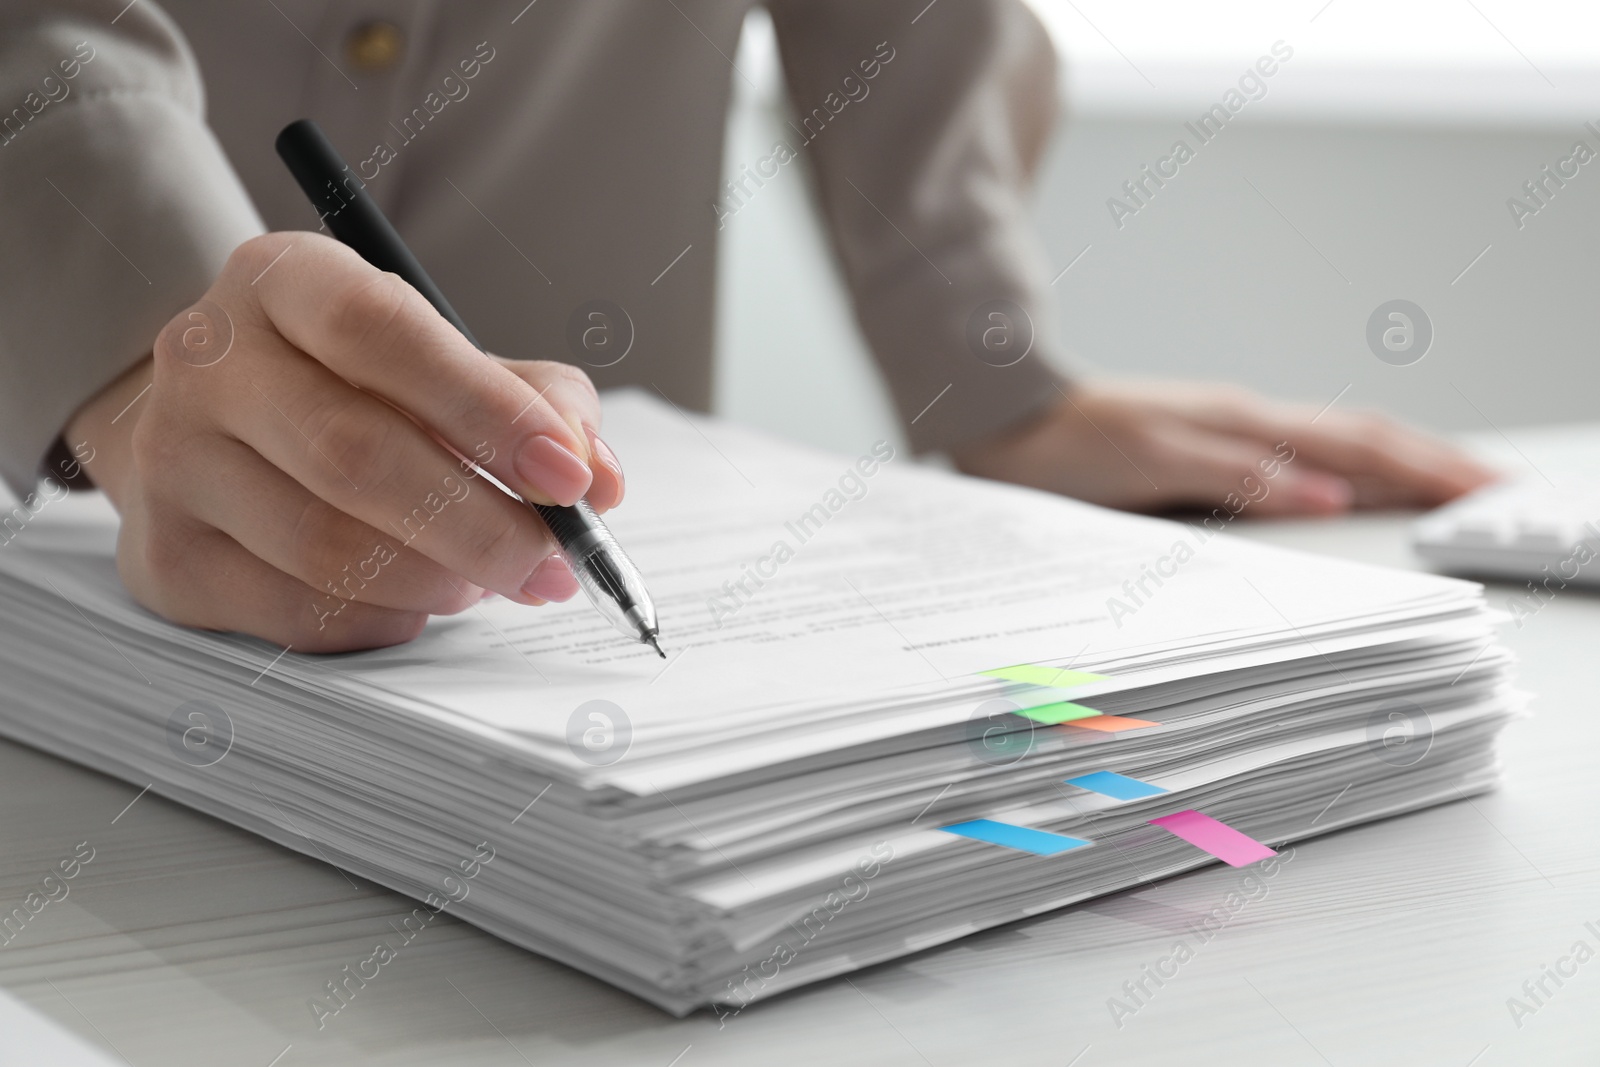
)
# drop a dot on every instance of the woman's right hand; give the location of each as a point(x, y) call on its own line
point(280, 462)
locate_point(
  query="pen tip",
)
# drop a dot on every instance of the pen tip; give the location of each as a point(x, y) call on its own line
point(656, 645)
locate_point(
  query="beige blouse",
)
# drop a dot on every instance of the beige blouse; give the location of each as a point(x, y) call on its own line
point(547, 162)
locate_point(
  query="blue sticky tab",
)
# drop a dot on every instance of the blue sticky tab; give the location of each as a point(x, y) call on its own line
point(1117, 786)
point(1021, 838)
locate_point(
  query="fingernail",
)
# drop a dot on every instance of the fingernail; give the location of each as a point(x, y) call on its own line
point(551, 580)
point(607, 458)
point(545, 465)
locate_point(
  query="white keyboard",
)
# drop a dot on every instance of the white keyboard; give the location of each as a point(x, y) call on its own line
point(1515, 529)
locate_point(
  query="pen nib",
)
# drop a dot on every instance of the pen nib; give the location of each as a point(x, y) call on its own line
point(656, 645)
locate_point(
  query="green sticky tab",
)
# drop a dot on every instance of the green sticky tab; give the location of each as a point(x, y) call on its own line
point(1054, 677)
point(1059, 712)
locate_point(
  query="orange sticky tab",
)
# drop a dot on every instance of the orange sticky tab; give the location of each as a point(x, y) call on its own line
point(1110, 723)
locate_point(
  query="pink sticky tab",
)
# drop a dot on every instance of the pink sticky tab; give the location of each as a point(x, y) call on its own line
point(1219, 839)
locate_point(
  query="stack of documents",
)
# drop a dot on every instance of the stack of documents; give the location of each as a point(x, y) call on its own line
point(899, 706)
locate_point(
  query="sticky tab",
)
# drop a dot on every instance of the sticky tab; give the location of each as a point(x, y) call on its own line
point(1114, 785)
point(1021, 838)
point(1059, 712)
point(1219, 839)
point(1051, 677)
point(1111, 723)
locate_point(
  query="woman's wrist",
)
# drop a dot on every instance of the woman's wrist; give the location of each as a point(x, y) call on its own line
point(99, 435)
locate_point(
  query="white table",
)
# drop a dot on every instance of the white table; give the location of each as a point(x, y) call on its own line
point(185, 941)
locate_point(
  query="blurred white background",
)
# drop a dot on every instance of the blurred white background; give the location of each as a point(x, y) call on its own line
point(1377, 166)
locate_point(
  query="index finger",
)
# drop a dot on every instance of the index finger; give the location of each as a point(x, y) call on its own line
point(1364, 445)
point(377, 332)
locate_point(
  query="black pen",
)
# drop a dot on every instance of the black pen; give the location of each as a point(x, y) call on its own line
point(602, 568)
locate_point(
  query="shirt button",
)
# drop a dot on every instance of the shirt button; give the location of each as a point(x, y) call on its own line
point(374, 47)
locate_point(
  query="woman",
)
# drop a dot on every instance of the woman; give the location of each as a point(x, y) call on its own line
point(265, 410)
